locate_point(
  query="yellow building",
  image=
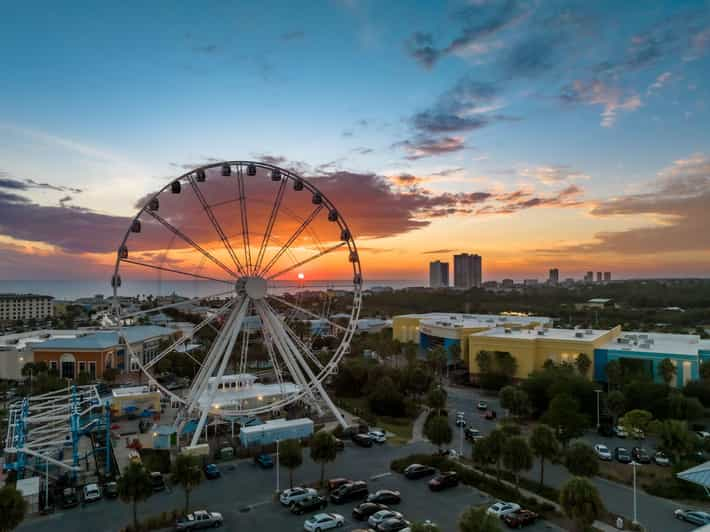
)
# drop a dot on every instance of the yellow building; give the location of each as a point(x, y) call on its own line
point(531, 348)
point(449, 329)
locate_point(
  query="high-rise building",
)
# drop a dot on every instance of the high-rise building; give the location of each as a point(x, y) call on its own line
point(15, 307)
point(438, 274)
point(607, 276)
point(507, 283)
point(599, 277)
point(467, 271)
point(589, 277)
point(554, 276)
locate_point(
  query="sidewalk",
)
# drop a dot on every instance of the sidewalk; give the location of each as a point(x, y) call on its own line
point(418, 426)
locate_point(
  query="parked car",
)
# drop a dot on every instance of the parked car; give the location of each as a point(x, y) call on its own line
point(640, 455)
point(471, 434)
point(111, 490)
point(622, 455)
point(415, 471)
point(482, 405)
point(92, 493)
point(448, 479)
point(378, 517)
point(156, 478)
point(692, 516)
point(365, 509)
point(69, 498)
point(602, 451)
point(661, 459)
point(212, 471)
point(393, 525)
point(490, 414)
point(703, 434)
point(519, 518)
point(264, 461)
point(323, 522)
point(460, 422)
point(377, 436)
point(335, 483)
point(501, 508)
point(385, 497)
point(293, 495)
point(349, 492)
point(308, 504)
point(339, 444)
point(620, 432)
point(363, 440)
point(199, 519)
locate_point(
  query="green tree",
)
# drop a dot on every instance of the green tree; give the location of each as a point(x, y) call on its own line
point(517, 457)
point(424, 526)
point(436, 399)
point(636, 419)
point(12, 508)
point(545, 446)
point(110, 374)
point(83, 378)
point(187, 474)
point(616, 404)
point(484, 361)
point(666, 370)
point(583, 363)
point(410, 353)
point(580, 502)
point(478, 520)
point(506, 364)
point(705, 370)
point(614, 373)
point(515, 400)
point(290, 457)
point(438, 431)
point(581, 460)
point(674, 438)
point(386, 399)
point(563, 415)
point(436, 357)
point(490, 449)
point(323, 450)
point(135, 486)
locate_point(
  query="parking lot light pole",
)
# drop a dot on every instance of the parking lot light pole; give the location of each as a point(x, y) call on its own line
point(460, 440)
point(278, 488)
point(598, 392)
point(634, 464)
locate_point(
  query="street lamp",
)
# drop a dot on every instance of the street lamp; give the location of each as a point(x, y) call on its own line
point(634, 464)
point(278, 488)
point(598, 392)
point(460, 440)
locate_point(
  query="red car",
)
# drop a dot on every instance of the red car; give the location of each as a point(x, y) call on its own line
point(490, 414)
point(520, 518)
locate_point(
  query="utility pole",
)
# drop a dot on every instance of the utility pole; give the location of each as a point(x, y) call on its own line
point(598, 392)
point(278, 487)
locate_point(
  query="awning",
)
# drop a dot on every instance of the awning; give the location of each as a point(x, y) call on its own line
point(700, 475)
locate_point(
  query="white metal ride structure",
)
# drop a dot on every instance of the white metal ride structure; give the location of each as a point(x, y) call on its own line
point(201, 227)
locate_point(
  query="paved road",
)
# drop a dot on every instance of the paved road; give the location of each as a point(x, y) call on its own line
point(244, 496)
point(653, 512)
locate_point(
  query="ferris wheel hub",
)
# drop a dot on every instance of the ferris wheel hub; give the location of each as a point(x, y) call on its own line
point(253, 286)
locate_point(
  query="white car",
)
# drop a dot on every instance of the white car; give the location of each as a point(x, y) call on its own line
point(293, 495)
point(460, 414)
point(376, 518)
point(378, 436)
point(500, 509)
point(703, 434)
point(620, 432)
point(603, 452)
point(661, 459)
point(460, 422)
point(92, 493)
point(323, 522)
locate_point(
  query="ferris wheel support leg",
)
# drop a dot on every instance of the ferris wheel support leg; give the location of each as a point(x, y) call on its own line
point(223, 358)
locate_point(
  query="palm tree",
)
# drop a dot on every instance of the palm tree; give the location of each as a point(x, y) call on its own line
point(580, 502)
point(517, 457)
point(323, 450)
point(545, 446)
point(438, 431)
point(291, 457)
point(12, 508)
point(186, 472)
point(135, 486)
point(478, 520)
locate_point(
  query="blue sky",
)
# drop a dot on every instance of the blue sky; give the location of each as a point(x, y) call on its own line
point(590, 112)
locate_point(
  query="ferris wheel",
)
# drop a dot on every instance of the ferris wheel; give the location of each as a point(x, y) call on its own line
point(243, 236)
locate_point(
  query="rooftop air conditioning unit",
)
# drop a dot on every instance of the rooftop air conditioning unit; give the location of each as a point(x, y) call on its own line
point(507, 331)
point(578, 335)
point(626, 349)
point(541, 333)
point(645, 345)
point(590, 331)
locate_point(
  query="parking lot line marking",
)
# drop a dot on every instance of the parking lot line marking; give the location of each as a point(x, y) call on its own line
point(381, 475)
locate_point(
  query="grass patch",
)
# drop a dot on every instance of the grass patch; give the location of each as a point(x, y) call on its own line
point(398, 428)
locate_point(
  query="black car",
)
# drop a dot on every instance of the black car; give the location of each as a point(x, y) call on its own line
point(363, 440)
point(156, 479)
point(445, 480)
point(471, 434)
point(392, 525)
point(622, 455)
point(416, 471)
point(385, 497)
point(314, 502)
point(69, 498)
point(349, 492)
point(111, 490)
point(640, 455)
point(364, 510)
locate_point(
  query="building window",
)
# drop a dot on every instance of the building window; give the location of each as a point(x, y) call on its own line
point(82, 367)
point(92, 370)
point(68, 369)
point(53, 364)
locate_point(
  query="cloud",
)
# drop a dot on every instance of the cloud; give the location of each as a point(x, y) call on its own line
point(677, 199)
point(511, 202)
point(292, 35)
point(26, 184)
point(596, 92)
point(439, 251)
point(422, 146)
point(363, 150)
point(553, 174)
point(63, 201)
point(661, 80)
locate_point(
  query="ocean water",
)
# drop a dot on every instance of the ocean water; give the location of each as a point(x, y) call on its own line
point(70, 289)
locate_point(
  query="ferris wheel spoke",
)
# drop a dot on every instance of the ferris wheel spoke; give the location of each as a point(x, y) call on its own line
point(171, 270)
point(306, 261)
point(269, 343)
point(305, 311)
point(192, 243)
point(304, 348)
point(291, 240)
point(207, 321)
point(215, 223)
point(270, 224)
point(244, 219)
point(175, 305)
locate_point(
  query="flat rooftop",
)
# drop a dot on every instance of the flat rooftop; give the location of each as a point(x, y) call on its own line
point(671, 344)
point(578, 335)
point(20, 341)
point(458, 321)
